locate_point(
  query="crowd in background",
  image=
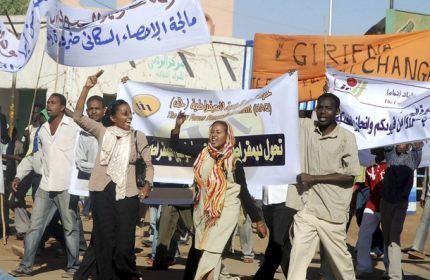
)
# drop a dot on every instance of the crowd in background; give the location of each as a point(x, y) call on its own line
point(106, 151)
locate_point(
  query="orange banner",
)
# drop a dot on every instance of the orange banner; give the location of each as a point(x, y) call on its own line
point(403, 56)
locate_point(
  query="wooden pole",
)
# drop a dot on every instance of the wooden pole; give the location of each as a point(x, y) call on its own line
point(217, 66)
point(13, 90)
point(35, 89)
point(3, 219)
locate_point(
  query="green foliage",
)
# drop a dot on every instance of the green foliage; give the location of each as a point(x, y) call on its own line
point(14, 7)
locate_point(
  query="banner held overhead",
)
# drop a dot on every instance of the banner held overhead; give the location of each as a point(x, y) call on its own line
point(265, 122)
point(76, 37)
point(400, 56)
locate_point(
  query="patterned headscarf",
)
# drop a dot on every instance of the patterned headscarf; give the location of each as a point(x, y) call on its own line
point(217, 180)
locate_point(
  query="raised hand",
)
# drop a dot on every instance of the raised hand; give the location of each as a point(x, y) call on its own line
point(92, 80)
point(180, 119)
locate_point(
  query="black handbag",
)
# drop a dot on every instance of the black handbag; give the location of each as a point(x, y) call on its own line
point(140, 165)
point(84, 175)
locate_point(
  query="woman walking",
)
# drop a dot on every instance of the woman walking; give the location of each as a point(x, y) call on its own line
point(113, 187)
point(220, 186)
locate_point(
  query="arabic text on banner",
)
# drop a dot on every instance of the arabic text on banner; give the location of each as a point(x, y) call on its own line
point(77, 37)
point(265, 122)
point(380, 111)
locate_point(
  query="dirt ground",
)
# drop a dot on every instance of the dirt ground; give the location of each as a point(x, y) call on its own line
point(51, 264)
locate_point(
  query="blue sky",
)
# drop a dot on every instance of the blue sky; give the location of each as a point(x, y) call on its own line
point(310, 17)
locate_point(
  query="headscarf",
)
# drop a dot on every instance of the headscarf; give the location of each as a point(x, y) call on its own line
point(115, 153)
point(216, 184)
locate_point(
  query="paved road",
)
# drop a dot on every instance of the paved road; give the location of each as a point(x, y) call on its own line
point(50, 265)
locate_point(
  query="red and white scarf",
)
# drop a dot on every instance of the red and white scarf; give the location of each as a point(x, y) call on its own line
point(216, 184)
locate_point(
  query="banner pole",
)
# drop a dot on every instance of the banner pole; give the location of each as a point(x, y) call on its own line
point(3, 220)
point(217, 66)
point(58, 48)
point(36, 88)
point(330, 17)
point(14, 78)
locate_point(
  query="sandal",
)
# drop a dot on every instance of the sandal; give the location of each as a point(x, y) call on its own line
point(247, 259)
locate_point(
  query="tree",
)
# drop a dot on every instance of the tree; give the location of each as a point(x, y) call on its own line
point(14, 7)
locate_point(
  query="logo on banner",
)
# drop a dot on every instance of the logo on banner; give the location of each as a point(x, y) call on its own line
point(352, 86)
point(145, 105)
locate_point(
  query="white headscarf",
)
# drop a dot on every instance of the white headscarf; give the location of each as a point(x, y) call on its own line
point(115, 153)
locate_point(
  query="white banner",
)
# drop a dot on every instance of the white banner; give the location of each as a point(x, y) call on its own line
point(380, 111)
point(141, 29)
point(77, 186)
point(366, 158)
point(265, 123)
point(14, 53)
point(425, 160)
point(144, 30)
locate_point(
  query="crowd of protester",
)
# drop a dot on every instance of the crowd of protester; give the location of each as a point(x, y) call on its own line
point(314, 212)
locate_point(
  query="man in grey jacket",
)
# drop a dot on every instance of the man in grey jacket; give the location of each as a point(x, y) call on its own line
point(86, 152)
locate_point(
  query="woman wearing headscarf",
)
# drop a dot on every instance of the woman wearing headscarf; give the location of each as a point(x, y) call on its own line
point(220, 187)
point(113, 187)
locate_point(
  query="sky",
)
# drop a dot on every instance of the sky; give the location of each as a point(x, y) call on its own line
point(310, 17)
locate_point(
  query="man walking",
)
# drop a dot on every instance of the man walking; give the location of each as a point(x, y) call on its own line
point(402, 160)
point(330, 164)
point(86, 153)
point(56, 144)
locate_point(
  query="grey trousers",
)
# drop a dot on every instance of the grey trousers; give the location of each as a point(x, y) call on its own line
point(423, 228)
point(392, 219)
point(246, 239)
point(169, 217)
point(22, 220)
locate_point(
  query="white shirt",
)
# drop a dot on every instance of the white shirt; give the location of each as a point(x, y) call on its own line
point(273, 194)
point(57, 154)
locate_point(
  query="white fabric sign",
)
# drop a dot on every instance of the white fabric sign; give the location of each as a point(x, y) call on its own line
point(14, 53)
point(265, 123)
point(78, 186)
point(274, 194)
point(366, 158)
point(425, 160)
point(83, 38)
point(382, 112)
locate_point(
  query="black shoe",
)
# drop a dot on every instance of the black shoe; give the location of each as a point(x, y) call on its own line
point(19, 272)
point(159, 266)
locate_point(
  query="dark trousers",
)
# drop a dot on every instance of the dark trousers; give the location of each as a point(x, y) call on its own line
point(278, 219)
point(32, 180)
point(193, 259)
point(114, 226)
point(88, 264)
point(54, 229)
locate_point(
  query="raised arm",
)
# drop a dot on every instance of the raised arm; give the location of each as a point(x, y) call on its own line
point(175, 142)
point(91, 82)
point(87, 124)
